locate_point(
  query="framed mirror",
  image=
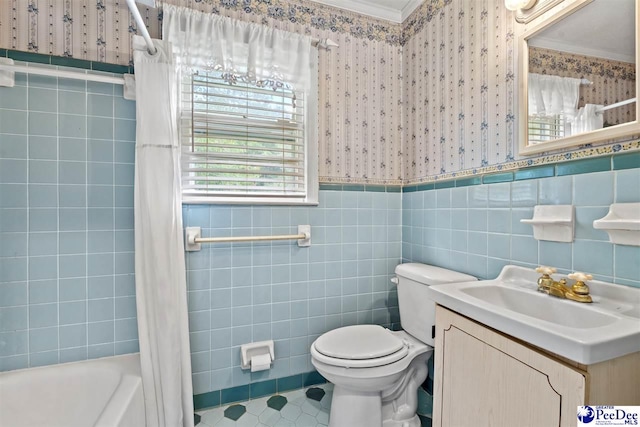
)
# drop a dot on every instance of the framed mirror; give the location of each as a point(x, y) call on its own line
point(578, 80)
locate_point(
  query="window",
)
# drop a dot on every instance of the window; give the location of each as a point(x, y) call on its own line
point(243, 143)
point(547, 128)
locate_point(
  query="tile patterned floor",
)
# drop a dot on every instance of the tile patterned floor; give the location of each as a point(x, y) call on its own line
point(298, 408)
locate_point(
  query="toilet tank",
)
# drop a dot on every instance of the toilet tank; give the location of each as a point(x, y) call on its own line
point(417, 309)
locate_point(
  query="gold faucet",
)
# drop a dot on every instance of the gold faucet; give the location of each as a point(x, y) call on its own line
point(578, 292)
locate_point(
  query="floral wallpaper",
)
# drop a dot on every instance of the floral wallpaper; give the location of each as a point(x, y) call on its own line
point(460, 91)
point(431, 98)
point(613, 81)
point(360, 81)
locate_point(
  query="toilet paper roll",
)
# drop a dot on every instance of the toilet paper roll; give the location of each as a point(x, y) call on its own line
point(260, 363)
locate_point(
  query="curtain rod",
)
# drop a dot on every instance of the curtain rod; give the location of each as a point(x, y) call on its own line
point(617, 104)
point(142, 28)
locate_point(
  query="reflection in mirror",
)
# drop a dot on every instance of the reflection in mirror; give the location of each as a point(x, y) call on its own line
point(582, 72)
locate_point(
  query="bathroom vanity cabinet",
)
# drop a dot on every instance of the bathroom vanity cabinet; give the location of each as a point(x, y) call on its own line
point(486, 378)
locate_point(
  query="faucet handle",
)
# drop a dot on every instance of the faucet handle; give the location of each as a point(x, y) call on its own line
point(546, 270)
point(545, 281)
point(579, 276)
point(580, 287)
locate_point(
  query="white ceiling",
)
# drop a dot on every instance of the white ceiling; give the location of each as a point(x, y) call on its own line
point(390, 10)
point(604, 28)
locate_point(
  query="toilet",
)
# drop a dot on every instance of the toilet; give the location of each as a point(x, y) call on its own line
point(376, 372)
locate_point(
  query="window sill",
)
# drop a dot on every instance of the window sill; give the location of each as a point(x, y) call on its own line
point(247, 201)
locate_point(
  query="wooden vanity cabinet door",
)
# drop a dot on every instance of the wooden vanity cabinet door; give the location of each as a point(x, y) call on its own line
point(486, 379)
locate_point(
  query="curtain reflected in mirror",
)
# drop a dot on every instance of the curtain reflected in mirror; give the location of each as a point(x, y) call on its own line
point(582, 72)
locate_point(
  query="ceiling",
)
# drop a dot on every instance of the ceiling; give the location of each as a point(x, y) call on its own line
point(604, 29)
point(390, 10)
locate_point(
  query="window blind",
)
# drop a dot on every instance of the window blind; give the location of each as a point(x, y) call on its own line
point(546, 128)
point(241, 139)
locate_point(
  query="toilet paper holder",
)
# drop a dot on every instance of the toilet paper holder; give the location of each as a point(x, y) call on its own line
point(253, 355)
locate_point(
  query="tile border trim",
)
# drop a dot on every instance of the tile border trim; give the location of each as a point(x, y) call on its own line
point(630, 160)
point(372, 188)
point(256, 389)
point(519, 168)
point(62, 61)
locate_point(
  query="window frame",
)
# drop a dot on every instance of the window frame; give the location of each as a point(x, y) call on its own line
point(310, 159)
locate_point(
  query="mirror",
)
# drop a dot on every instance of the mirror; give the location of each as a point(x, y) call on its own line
point(578, 76)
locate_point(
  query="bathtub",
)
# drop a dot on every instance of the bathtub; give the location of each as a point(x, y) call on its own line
point(103, 392)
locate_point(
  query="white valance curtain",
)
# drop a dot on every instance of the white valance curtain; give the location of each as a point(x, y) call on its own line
point(553, 95)
point(240, 50)
point(558, 96)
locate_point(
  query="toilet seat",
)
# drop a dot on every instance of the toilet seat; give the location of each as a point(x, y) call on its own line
point(360, 346)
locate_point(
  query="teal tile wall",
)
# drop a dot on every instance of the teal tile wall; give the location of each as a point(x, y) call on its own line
point(240, 293)
point(476, 229)
point(66, 222)
point(67, 261)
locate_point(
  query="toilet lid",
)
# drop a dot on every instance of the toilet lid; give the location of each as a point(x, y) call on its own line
point(361, 342)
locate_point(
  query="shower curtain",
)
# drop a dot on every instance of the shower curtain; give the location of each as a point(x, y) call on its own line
point(588, 119)
point(161, 294)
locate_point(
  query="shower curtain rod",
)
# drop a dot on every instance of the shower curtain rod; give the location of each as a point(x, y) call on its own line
point(617, 104)
point(142, 28)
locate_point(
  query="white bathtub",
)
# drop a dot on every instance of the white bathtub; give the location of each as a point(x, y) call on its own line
point(102, 392)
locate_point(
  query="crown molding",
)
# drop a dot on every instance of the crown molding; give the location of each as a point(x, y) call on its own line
point(364, 7)
point(409, 8)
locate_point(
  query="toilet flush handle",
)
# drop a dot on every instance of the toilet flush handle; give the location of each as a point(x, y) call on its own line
point(394, 280)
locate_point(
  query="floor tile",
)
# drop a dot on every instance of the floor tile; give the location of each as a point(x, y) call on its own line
point(291, 409)
point(326, 400)
point(315, 393)
point(323, 418)
point(270, 417)
point(247, 420)
point(284, 423)
point(234, 412)
point(306, 420)
point(297, 397)
point(257, 406)
point(277, 402)
point(212, 416)
point(291, 412)
point(225, 422)
point(311, 407)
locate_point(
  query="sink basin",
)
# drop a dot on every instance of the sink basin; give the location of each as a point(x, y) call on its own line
point(585, 333)
point(540, 306)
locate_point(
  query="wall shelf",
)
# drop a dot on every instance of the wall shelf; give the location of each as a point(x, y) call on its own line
point(554, 223)
point(622, 223)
